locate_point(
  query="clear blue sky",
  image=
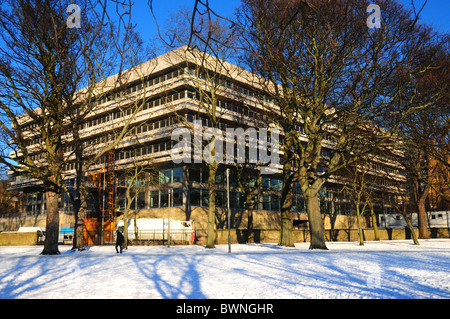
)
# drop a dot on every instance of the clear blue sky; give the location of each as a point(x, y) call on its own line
point(436, 12)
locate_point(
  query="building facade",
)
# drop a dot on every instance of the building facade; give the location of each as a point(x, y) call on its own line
point(172, 92)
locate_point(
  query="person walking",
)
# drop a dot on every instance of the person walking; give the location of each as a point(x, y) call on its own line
point(119, 241)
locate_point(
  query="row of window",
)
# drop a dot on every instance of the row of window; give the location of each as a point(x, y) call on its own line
point(155, 177)
point(142, 128)
point(223, 81)
point(128, 111)
point(134, 88)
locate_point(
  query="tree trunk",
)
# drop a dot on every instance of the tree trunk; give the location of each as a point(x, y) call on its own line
point(424, 232)
point(374, 223)
point(249, 205)
point(52, 228)
point(360, 230)
point(78, 238)
point(125, 231)
point(286, 238)
point(125, 217)
point(211, 218)
point(79, 208)
point(317, 233)
point(410, 226)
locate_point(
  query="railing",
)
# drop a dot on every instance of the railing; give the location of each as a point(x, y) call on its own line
point(148, 237)
point(161, 237)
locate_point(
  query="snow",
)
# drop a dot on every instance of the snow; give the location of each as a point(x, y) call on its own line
point(386, 269)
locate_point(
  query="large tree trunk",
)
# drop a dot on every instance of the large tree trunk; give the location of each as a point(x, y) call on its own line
point(317, 233)
point(52, 228)
point(286, 238)
point(79, 201)
point(125, 218)
point(78, 238)
point(79, 208)
point(358, 220)
point(410, 226)
point(420, 196)
point(125, 231)
point(249, 205)
point(374, 222)
point(211, 218)
point(424, 232)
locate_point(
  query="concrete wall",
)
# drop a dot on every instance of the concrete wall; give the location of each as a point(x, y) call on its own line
point(18, 239)
point(272, 236)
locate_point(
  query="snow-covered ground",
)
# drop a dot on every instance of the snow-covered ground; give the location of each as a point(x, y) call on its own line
point(386, 269)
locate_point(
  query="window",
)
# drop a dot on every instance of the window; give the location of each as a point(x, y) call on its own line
point(199, 197)
point(154, 199)
point(205, 198)
point(234, 200)
point(177, 175)
point(177, 197)
point(276, 184)
point(195, 197)
point(164, 176)
point(194, 174)
point(221, 199)
point(275, 203)
point(265, 183)
point(164, 198)
point(220, 177)
point(205, 174)
point(266, 202)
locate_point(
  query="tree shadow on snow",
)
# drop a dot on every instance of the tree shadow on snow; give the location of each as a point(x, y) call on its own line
point(25, 277)
point(375, 276)
point(174, 276)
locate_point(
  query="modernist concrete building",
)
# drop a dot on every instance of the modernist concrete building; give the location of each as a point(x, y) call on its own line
point(152, 100)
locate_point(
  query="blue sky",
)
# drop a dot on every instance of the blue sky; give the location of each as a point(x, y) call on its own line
point(436, 12)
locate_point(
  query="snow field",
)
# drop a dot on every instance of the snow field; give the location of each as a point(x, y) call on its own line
point(386, 269)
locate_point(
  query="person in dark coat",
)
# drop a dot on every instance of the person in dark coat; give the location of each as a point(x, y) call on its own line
point(119, 241)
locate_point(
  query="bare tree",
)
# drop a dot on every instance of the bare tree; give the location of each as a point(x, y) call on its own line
point(362, 187)
point(333, 78)
point(136, 178)
point(208, 74)
point(54, 77)
point(36, 65)
point(425, 134)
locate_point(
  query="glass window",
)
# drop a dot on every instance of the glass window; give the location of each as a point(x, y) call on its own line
point(195, 197)
point(141, 200)
point(164, 176)
point(205, 174)
point(177, 175)
point(265, 182)
point(154, 199)
point(266, 202)
point(221, 200)
point(177, 198)
point(276, 184)
point(194, 174)
point(205, 198)
point(164, 197)
point(234, 200)
point(275, 203)
point(241, 201)
point(220, 177)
